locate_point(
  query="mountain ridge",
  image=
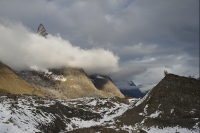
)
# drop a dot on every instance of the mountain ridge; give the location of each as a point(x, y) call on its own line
point(58, 83)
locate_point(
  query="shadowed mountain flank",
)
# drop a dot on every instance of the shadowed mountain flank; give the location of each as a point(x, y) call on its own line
point(105, 85)
point(99, 80)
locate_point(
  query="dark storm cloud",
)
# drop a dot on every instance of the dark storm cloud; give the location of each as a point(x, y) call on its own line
point(147, 35)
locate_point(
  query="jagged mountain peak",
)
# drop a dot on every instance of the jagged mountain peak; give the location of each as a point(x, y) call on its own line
point(42, 31)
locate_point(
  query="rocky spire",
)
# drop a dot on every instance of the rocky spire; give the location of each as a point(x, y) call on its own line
point(42, 31)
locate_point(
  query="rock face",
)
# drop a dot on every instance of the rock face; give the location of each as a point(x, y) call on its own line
point(175, 100)
point(11, 83)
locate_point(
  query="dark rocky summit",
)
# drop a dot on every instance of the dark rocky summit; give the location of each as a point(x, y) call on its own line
point(175, 100)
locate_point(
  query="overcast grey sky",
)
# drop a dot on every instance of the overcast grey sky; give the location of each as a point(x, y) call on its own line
point(149, 36)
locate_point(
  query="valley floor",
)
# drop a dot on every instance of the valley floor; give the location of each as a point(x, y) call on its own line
point(30, 114)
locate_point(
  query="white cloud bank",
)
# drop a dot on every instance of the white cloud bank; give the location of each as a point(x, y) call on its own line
point(20, 47)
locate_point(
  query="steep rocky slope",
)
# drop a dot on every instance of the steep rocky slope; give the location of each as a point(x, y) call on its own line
point(174, 101)
point(11, 83)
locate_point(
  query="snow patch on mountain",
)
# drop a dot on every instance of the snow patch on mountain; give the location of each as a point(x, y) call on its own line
point(26, 114)
point(100, 77)
point(144, 98)
point(49, 74)
point(176, 129)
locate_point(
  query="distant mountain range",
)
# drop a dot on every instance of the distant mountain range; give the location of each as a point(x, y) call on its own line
point(128, 88)
point(135, 93)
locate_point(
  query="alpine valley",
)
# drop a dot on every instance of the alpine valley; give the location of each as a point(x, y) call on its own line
point(67, 100)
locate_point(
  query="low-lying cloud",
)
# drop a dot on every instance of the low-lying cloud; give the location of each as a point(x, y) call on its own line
point(20, 47)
